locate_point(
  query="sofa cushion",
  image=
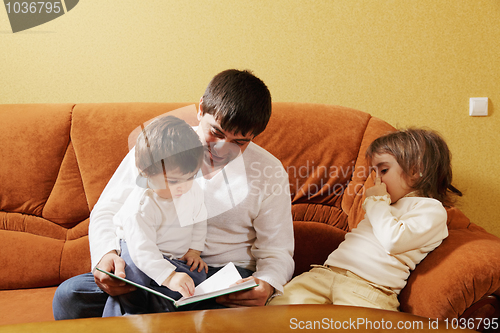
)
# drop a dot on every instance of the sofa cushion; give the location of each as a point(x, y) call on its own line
point(67, 204)
point(28, 260)
point(37, 137)
point(326, 214)
point(353, 198)
point(313, 243)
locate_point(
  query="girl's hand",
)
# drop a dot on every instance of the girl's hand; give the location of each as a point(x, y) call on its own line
point(379, 189)
point(192, 258)
point(180, 282)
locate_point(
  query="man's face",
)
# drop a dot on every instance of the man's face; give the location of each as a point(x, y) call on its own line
point(222, 146)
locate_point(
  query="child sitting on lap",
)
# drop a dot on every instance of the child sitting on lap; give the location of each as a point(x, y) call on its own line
point(162, 225)
point(404, 221)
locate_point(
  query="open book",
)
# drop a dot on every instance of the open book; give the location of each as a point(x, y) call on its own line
point(221, 283)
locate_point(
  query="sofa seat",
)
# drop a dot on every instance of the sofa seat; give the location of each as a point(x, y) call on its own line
point(26, 305)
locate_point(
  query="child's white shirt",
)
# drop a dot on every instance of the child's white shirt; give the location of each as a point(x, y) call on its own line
point(154, 227)
point(392, 239)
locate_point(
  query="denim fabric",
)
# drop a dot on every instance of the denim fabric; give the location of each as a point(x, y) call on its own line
point(78, 297)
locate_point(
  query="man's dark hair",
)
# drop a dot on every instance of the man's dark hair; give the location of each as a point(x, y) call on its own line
point(239, 100)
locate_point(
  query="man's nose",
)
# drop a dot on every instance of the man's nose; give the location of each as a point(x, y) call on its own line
point(220, 145)
point(223, 147)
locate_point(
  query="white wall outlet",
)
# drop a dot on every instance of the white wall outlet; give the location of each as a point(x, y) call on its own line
point(478, 106)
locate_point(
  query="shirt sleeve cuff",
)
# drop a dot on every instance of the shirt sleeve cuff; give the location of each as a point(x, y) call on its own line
point(376, 198)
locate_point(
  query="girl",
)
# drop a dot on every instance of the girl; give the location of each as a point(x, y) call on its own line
point(404, 221)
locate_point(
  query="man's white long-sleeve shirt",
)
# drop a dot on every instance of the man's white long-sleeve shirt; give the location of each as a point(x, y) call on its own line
point(392, 239)
point(249, 215)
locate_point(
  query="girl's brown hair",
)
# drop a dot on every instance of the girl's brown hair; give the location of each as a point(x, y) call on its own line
point(425, 159)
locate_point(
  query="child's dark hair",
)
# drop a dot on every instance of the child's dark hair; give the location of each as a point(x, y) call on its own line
point(425, 159)
point(239, 100)
point(166, 144)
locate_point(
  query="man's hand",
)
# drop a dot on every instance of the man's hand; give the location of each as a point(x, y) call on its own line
point(111, 262)
point(181, 282)
point(253, 297)
point(192, 258)
point(379, 189)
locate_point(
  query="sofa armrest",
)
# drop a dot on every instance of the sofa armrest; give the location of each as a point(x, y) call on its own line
point(314, 241)
point(461, 271)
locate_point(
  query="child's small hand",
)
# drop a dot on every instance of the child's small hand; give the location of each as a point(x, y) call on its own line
point(180, 282)
point(379, 189)
point(192, 258)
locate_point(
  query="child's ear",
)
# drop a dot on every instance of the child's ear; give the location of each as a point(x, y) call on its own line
point(416, 173)
point(413, 177)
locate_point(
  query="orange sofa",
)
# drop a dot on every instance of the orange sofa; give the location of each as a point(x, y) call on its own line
point(57, 158)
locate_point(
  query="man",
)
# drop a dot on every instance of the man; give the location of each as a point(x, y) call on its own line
point(249, 213)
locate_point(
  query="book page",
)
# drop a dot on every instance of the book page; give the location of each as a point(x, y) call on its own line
point(225, 277)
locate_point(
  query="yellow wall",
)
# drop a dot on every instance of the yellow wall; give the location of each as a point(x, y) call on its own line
point(407, 62)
